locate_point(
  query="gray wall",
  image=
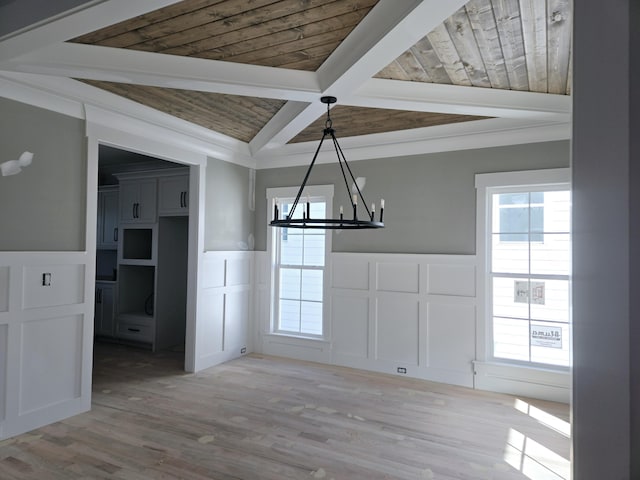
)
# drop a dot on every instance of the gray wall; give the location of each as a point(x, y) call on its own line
point(16, 14)
point(430, 200)
point(229, 221)
point(43, 207)
point(606, 243)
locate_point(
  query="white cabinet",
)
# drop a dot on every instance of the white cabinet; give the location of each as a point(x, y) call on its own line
point(138, 201)
point(173, 196)
point(105, 309)
point(135, 327)
point(107, 234)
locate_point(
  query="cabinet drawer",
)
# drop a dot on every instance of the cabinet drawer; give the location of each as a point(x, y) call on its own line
point(131, 331)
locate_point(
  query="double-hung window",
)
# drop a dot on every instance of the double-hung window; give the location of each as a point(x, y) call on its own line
point(527, 259)
point(299, 259)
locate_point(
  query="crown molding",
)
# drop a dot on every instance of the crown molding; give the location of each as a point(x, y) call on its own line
point(494, 132)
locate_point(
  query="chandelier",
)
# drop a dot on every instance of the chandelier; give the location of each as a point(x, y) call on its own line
point(305, 221)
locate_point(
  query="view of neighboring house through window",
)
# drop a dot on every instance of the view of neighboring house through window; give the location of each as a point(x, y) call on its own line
point(299, 259)
point(529, 263)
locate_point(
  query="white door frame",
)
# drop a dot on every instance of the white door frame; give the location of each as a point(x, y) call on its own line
point(99, 134)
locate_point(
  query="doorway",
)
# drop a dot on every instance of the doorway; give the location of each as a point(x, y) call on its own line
point(147, 154)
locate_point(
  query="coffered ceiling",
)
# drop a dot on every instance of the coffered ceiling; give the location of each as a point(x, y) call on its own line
point(254, 70)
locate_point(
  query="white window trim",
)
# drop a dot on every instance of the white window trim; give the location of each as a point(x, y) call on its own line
point(508, 377)
point(312, 191)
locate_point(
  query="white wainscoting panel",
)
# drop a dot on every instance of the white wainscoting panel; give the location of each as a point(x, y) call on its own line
point(236, 325)
point(387, 311)
point(53, 285)
point(46, 337)
point(224, 307)
point(448, 279)
point(45, 345)
point(397, 329)
point(213, 271)
point(450, 339)
point(4, 289)
point(398, 276)
point(351, 275)
point(210, 330)
point(3, 369)
point(350, 327)
point(238, 271)
point(413, 315)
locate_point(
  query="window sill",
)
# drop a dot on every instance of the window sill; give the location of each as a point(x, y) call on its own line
point(296, 337)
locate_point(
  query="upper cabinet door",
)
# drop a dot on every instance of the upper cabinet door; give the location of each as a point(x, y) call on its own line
point(128, 201)
point(109, 234)
point(138, 201)
point(173, 197)
point(147, 202)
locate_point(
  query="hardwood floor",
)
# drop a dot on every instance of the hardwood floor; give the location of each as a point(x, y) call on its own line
point(271, 418)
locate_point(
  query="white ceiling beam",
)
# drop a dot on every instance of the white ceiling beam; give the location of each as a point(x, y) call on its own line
point(454, 99)
point(168, 71)
point(73, 23)
point(387, 31)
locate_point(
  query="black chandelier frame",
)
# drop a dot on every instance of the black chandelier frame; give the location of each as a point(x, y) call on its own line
point(330, 223)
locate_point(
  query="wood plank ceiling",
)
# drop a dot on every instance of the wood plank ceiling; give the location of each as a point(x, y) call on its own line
point(502, 44)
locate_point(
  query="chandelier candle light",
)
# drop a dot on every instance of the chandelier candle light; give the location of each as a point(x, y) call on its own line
point(330, 223)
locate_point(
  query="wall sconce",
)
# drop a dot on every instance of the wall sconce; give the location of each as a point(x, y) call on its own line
point(12, 167)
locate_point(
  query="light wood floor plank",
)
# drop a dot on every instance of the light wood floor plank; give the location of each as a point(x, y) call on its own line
point(269, 418)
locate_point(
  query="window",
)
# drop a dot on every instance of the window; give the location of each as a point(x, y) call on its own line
point(527, 271)
point(299, 261)
point(516, 211)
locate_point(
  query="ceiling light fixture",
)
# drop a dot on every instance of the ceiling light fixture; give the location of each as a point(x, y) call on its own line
point(305, 221)
point(12, 167)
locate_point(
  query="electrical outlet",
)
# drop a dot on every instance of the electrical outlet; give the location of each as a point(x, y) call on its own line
point(402, 370)
point(243, 350)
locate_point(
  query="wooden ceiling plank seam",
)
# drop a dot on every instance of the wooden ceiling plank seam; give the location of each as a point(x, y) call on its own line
point(239, 117)
point(215, 104)
point(222, 113)
point(142, 95)
point(427, 57)
point(559, 44)
point(448, 55)
point(507, 15)
point(413, 70)
point(483, 22)
point(154, 37)
point(459, 27)
point(534, 32)
point(299, 32)
point(355, 121)
point(393, 71)
point(258, 56)
point(315, 15)
point(289, 61)
point(253, 22)
point(94, 38)
point(166, 100)
point(237, 17)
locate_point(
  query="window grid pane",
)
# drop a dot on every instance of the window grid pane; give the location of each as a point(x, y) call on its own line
point(301, 260)
point(530, 268)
